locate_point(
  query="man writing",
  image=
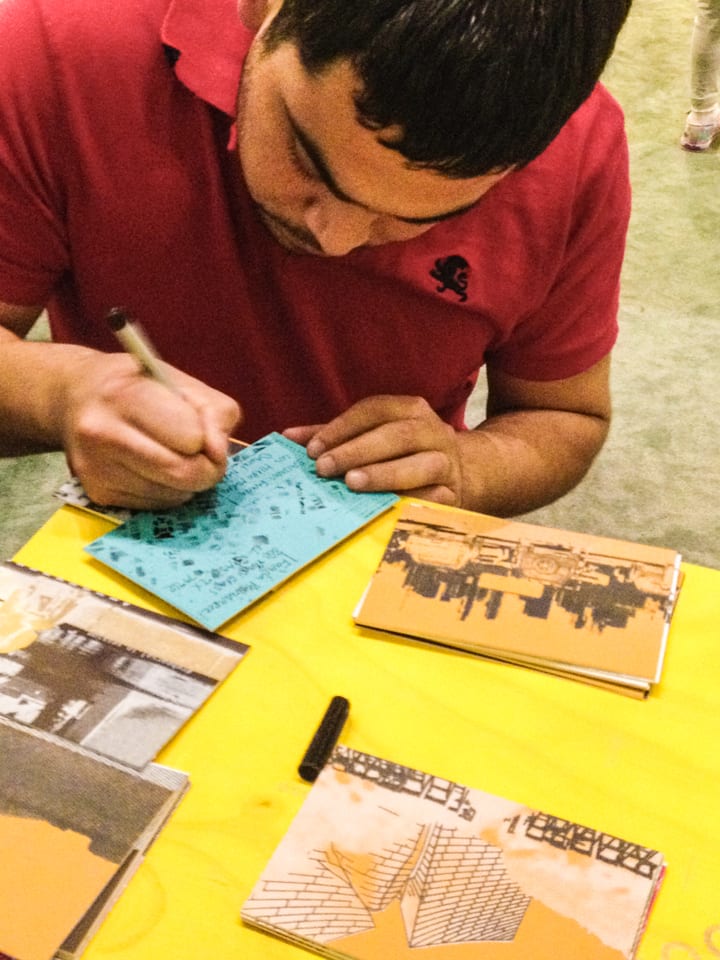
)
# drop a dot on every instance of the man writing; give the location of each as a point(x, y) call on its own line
point(328, 216)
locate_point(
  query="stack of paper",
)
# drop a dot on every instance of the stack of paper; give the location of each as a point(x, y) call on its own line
point(90, 690)
point(574, 604)
point(386, 861)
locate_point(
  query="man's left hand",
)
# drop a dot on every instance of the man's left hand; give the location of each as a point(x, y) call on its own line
point(388, 443)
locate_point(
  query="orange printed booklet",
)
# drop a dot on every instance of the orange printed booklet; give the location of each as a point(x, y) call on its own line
point(386, 861)
point(91, 689)
point(574, 604)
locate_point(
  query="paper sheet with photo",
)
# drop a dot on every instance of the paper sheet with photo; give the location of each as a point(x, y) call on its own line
point(105, 675)
point(72, 827)
point(270, 516)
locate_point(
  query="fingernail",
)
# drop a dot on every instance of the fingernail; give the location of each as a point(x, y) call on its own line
point(315, 448)
point(325, 466)
point(356, 479)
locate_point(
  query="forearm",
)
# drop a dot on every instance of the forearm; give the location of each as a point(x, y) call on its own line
point(130, 439)
point(523, 456)
point(33, 377)
point(518, 461)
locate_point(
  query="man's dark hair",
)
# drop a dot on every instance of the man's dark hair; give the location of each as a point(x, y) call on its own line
point(476, 86)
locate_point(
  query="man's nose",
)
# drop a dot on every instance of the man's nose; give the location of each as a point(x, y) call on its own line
point(337, 226)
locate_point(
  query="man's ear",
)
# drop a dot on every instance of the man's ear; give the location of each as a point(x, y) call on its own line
point(253, 13)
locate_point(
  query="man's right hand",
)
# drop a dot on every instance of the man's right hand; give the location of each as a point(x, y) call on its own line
point(134, 442)
point(129, 439)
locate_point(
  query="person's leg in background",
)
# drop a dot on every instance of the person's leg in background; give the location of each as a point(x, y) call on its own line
point(703, 121)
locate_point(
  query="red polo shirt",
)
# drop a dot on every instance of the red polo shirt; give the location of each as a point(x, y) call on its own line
point(119, 185)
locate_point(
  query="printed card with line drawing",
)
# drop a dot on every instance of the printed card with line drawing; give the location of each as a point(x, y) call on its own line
point(270, 516)
point(386, 861)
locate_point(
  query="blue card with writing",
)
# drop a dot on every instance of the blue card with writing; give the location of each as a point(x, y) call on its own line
point(270, 516)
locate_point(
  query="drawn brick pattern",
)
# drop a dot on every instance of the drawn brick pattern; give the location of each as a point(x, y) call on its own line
point(317, 905)
point(461, 892)
point(452, 888)
point(388, 877)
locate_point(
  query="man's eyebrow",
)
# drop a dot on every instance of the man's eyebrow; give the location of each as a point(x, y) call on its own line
point(321, 165)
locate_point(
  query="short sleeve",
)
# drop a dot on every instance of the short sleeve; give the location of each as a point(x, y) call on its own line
point(575, 324)
point(33, 247)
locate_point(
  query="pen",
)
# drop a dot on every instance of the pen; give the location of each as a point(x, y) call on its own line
point(325, 738)
point(135, 342)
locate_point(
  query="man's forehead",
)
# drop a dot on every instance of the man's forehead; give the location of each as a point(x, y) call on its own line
point(324, 170)
point(355, 162)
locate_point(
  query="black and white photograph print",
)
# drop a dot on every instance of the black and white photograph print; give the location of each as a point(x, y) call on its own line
point(105, 675)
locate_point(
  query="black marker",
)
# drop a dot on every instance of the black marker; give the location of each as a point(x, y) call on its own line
point(326, 736)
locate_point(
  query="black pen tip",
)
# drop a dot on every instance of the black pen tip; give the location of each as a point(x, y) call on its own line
point(117, 318)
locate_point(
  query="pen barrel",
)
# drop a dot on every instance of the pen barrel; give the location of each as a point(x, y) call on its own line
point(139, 348)
point(133, 340)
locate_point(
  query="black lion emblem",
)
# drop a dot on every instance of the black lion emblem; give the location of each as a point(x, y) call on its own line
point(452, 272)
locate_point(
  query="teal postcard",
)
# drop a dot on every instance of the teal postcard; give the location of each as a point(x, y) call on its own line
point(270, 516)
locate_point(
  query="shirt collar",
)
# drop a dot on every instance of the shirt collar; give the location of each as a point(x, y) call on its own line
point(212, 44)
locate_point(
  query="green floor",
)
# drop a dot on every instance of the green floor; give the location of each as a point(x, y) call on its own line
point(658, 477)
point(657, 480)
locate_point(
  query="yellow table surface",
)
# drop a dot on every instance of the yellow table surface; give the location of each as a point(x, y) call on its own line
point(647, 771)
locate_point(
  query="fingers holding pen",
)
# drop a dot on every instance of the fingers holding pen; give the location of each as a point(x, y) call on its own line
point(216, 413)
point(139, 473)
point(133, 442)
point(219, 416)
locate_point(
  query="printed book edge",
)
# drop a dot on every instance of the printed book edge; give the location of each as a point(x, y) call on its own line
point(506, 653)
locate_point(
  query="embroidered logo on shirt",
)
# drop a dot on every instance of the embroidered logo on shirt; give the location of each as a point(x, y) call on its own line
point(452, 272)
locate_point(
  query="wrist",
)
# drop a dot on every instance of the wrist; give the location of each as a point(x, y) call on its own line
point(37, 384)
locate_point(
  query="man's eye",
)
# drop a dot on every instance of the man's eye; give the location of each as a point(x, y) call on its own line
point(300, 160)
